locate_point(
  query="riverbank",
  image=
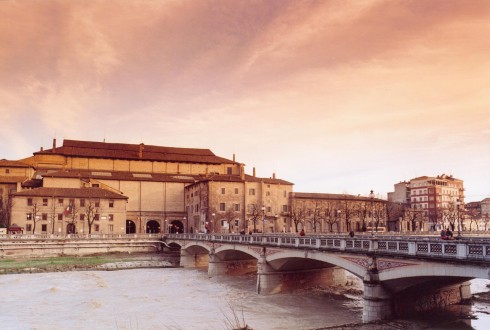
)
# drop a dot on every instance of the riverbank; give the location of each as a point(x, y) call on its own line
point(111, 261)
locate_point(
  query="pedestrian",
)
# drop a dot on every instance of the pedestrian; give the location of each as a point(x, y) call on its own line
point(302, 232)
point(443, 233)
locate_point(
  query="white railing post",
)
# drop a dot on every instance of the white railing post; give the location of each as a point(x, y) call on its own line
point(461, 251)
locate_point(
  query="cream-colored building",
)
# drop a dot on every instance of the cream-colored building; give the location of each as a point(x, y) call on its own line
point(69, 211)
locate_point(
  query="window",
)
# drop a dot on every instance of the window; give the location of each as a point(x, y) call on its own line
point(222, 207)
point(96, 217)
point(82, 203)
point(251, 192)
point(28, 227)
point(197, 208)
point(29, 202)
point(45, 216)
point(82, 217)
point(72, 201)
point(223, 191)
point(60, 201)
point(285, 194)
point(268, 209)
point(229, 170)
point(28, 216)
point(44, 228)
point(60, 216)
point(111, 203)
point(285, 208)
point(111, 217)
point(97, 203)
point(267, 193)
point(96, 228)
point(45, 202)
point(95, 185)
point(111, 228)
point(236, 207)
point(236, 191)
point(7, 171)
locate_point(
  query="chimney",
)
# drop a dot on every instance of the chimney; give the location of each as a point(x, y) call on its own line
point(140, 153)
point(242, 172)
point(233, 157)
point(54, 145)
point(253, 172)
point(42, 149)
point(274, 176)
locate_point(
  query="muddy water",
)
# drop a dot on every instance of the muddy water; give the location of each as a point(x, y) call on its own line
point(188, 299)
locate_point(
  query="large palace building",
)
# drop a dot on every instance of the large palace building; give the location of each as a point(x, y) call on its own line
point(100, 187)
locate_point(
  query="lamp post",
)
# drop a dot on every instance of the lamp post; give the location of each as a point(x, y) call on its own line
point(458, 203)
point(263, 219)
point(212, 223)
point(371, 195)
point(339, 212)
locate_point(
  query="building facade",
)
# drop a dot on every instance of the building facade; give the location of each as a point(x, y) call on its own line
point(232, 204)
point(69, 211)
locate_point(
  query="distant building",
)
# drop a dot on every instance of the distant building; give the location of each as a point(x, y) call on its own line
point(323, 213)
point(426, 198)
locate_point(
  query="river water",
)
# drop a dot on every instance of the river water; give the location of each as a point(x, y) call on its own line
point(176, 298)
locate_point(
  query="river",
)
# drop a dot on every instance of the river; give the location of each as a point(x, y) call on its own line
point(176, 298)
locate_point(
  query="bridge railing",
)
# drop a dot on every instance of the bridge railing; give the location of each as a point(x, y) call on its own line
point(473, 248)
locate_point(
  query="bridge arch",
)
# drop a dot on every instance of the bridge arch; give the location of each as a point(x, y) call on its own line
point(287, 260)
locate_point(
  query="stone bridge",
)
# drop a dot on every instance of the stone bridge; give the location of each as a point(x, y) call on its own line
point(401, 274)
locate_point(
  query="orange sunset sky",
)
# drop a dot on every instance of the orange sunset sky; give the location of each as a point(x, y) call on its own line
point(335, 96)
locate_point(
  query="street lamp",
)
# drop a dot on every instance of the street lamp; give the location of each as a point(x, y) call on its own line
point(212, 223)
point(339, 212)
point(263, 219)
point(371, 195)
point(186, 225)
point(458, 203)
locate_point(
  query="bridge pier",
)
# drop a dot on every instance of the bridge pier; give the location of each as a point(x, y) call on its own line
point(270, 281)
point(377, 301)
point(191, 260)
point(230, 267)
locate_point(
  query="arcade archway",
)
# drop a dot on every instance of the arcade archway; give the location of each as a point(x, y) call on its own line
point(176, 226)
point(152, 227)
point(130, 227)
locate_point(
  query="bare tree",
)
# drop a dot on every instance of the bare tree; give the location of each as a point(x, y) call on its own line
point(474, 216)
point(297, 216)
point(332, 216)
point(412, 215)
point(361, 209)
point(255, 214)
point(347, 209)
point(72, 212)
point(5, 209)
point(35, 209)
point(91, 211)
point(450, 214)
point(379, 214)
point(394, 211)
point(229, 216)
point(486, 220)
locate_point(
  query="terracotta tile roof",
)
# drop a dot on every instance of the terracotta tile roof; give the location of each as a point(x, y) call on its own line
point(13, 163)
point(237, 178)
point(12, 179)
point(89, 149)
point(125, 176)
point(300, 195)
point(70, 193)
